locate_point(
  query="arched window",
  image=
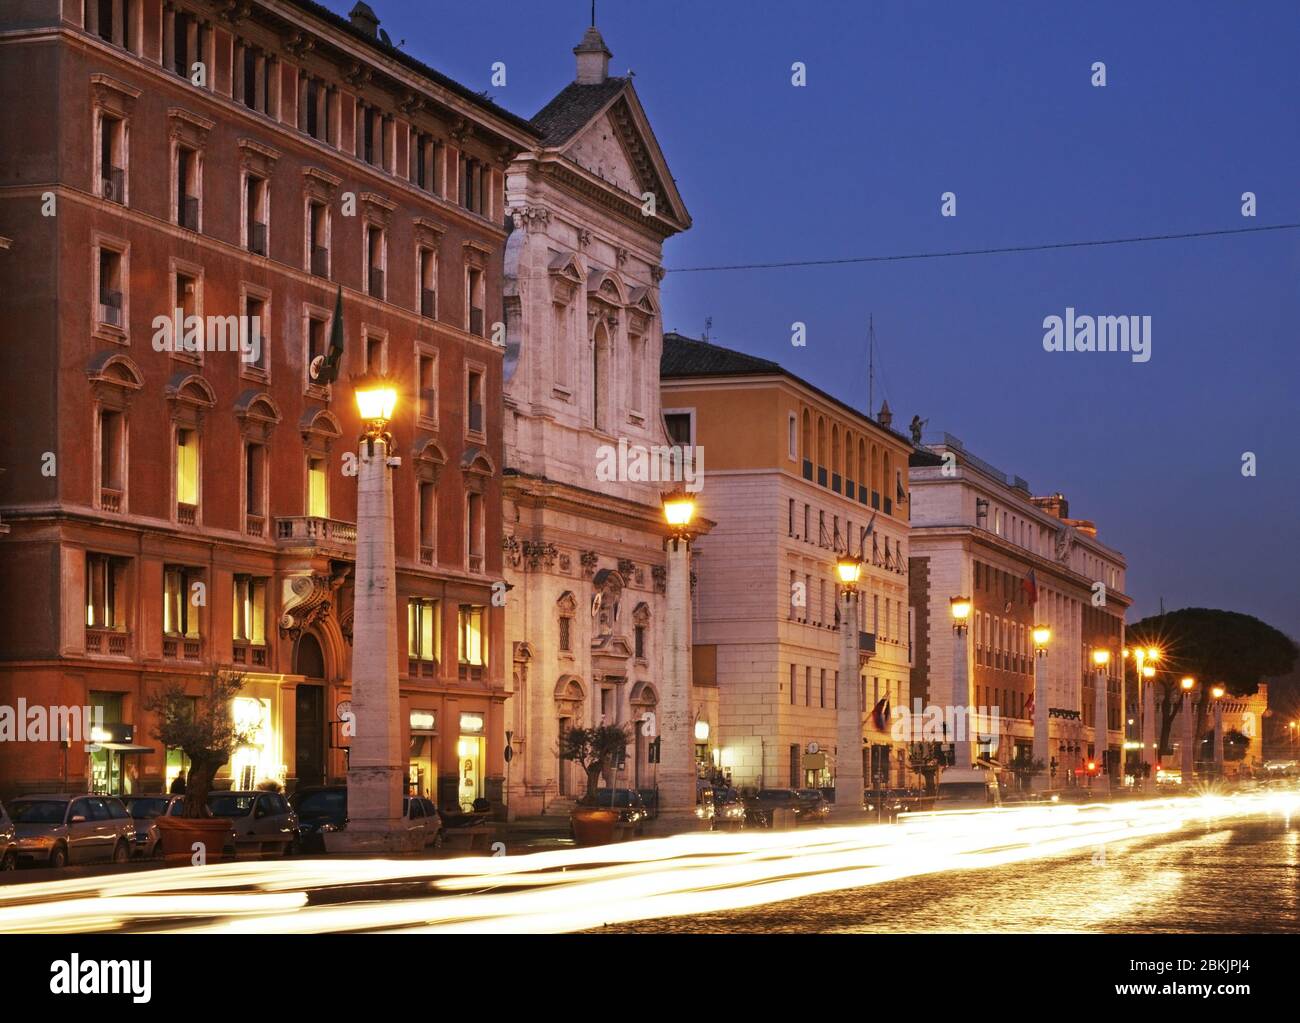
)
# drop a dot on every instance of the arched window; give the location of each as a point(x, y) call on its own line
point(875, 476)
point(821, 450)
point(807, 436)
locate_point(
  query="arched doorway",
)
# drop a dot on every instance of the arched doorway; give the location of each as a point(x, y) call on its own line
point(569, 698)
point(309, 711)
point(644, 702)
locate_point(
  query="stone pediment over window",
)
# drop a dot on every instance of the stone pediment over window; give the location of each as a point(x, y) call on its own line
point(109, 94)
point(568, 603)
point(476, 469)
point(567, 275)
point(257, 158)
point(607, 286)
point(190, 397)
point(319, 184)
point(569, 689)
point(257, 413)
point(476, 255)
point(114, 378)
point(188, 127)
point(378, 208)
point(428, 232)
point(429, 459)
point(319, 428)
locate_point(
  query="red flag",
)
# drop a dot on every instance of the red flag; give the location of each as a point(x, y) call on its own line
point(1030, 586)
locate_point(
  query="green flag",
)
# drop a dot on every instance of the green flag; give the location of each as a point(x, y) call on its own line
point(328, 370)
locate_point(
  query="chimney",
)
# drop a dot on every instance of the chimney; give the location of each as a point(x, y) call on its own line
point(1055, 505)
point(593, 58)
point(363, 18)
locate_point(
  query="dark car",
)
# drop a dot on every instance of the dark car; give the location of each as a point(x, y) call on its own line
point(760, 808)
point(628, 803)
point(887, 804)
point(723, 808)
point(813, 807)
point(320, 808)
point(966, 795)
point(144, 810)
point(8, 842)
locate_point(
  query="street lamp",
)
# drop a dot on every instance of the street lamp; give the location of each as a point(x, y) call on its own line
point(676, 752)
point(962, 765)
point(849, 774)
point(1189, 730)
point(376, 767)
point(1217, 692)
point(1101, 715)
point(1042, 636)
point(960, 613)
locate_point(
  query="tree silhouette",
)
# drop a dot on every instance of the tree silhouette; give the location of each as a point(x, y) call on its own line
point(1227, 648)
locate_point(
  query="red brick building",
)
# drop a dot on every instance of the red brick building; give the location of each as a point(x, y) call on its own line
point(172, 512)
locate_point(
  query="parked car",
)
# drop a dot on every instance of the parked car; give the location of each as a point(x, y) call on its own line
point(887, 804)
point(60, 828)
point(262, 821)
point(8, 842)
point(723, 808)
point(320, 809)
point(813, 807)
point(760, 807)
point(147, 842)
point(421, 815)
point(631, 808)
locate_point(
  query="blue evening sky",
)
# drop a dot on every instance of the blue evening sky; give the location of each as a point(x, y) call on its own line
point(992, 101)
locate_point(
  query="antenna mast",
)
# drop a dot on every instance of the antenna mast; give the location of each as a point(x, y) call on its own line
point(871, 366)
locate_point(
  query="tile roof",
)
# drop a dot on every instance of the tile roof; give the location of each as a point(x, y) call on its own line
point(575, 105)
point(687, 357)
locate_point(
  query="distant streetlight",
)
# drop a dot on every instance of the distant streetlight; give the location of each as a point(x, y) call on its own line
point(962, 762)
point(849, 773)
point(677, 755)
point(1042, 636)
point(1217, 692)
point(1189, 730)
point(1101, 712)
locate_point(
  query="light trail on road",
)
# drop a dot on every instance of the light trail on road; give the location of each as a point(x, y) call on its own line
point(582, 889)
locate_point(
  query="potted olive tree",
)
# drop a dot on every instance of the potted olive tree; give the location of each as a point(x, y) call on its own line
point(203, 728)
point(594, 750)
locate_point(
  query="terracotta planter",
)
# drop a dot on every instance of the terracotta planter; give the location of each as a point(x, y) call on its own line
point(179, 835)
point(593, 825)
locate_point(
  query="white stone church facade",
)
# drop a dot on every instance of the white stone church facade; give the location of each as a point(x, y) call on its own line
point(584, 554)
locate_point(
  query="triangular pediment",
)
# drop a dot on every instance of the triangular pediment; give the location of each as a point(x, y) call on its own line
point(618, 146)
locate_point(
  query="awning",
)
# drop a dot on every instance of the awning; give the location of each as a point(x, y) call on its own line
point(118, 747)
